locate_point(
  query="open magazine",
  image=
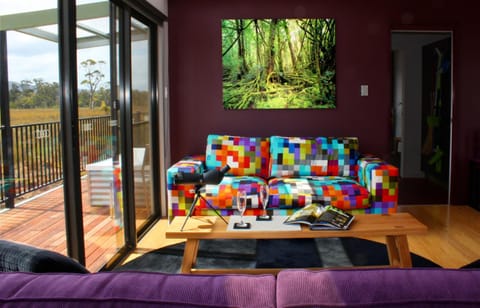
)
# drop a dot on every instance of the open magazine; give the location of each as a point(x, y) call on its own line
point(321, 217)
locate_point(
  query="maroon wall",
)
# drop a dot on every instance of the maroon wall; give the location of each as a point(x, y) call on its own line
point(363, 57)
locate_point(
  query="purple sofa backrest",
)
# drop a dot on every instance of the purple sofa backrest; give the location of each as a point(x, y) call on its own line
point(135, 289)
point(430, 287)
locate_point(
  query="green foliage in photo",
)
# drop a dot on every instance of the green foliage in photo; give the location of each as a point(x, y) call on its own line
point(278, 63)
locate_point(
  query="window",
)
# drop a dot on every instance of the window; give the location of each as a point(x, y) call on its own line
point(116, 133)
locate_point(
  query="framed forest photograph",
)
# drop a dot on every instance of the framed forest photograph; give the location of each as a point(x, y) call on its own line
point(278, 63)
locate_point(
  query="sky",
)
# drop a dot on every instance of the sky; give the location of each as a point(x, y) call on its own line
point(33, 58)
point(30, 57)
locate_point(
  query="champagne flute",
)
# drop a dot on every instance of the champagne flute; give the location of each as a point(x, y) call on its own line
point(241, 207)
point(264, 198)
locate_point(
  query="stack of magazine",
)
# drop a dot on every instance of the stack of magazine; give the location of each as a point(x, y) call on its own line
point(321, 217)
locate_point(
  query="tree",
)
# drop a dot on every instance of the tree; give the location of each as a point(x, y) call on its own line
point(241, 46)
point(271, 46)
point(93, 78)
point(46, 94)
point(15, 92)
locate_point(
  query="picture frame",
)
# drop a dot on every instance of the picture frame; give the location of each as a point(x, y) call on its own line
point(279, 63)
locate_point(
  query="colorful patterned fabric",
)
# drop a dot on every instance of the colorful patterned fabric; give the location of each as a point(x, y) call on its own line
point(244, 155)
point(341, 153)
point(298, 156)
point(305, 170)
point(341, 192)
point(381, 180)
point(223, 196)
point(295, 156)
point(181, 195)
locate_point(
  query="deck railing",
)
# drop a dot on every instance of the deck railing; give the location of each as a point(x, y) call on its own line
point(37, 154)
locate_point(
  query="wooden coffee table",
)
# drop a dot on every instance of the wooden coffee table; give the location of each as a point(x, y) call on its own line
point(395, 228)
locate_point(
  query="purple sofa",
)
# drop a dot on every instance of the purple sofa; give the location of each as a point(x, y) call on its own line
point(431, 287)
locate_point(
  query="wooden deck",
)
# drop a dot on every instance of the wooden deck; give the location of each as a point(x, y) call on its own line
point(39, 221)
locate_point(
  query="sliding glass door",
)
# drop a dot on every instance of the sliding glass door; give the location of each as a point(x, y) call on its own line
point(141, 120)
point(99, 132)
point(93, 204)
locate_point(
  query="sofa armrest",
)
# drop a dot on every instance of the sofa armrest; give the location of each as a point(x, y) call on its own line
point(381, 180)
point(180, 196)
point(18, 257)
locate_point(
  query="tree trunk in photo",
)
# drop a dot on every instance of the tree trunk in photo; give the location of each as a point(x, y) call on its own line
point(258, 35)
point(271, 47)
point(290, 46)
point(241, 47)
point(279, 54)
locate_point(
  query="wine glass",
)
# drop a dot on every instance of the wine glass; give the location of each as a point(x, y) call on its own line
point(264, 199)
point(242, 206)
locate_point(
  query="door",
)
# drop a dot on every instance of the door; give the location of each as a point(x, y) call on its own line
point(418, 124)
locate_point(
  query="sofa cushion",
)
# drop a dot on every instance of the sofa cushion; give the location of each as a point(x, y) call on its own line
point(16, 257)
point(222, 196)
point(136, 289)
point(341, 192)
point(341, 153)
point(413, 287)
point(304, 156)
point(295, 156)
point(244, 155)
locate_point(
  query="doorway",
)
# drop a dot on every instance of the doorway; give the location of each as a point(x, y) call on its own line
point(421, 115)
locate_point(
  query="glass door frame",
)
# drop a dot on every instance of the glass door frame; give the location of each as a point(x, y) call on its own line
point(69, 119)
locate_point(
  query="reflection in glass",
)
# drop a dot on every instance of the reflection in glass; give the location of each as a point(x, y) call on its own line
point(141, 120)
point(99, 132)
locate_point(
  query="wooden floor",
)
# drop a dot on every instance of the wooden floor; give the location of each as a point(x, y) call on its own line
point(453, 237)
point(40, 222)
point(452, 241)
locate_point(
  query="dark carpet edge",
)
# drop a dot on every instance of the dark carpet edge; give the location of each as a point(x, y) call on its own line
point(363, 252)
point(360, 252)
point(472, 265)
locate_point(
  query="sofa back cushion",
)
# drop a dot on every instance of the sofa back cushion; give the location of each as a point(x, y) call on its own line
point(394, 287)
point(295, 156)
point(342, 155)
point(244, 155)
point(136, 289)
point(321, 156)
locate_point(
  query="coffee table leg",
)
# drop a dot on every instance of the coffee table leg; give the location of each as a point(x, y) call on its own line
point(189, 255)
point(398, 251)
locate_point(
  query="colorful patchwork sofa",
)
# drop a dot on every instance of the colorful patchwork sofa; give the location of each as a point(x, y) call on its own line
point(297, 170)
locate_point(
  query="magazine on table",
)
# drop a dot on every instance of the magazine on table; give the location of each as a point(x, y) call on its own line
point(321, 217)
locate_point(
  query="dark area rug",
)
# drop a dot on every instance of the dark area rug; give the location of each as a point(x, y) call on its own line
point(474, 264)
point(369, 253)
point(211, 254)
point(288, 253)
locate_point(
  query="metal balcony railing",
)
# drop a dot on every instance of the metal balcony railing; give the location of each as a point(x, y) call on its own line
point(37, 154)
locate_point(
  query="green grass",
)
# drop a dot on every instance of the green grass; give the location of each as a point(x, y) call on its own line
point(41, 115)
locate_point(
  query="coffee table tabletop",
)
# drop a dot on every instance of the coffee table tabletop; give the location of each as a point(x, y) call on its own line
point(395, 228)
